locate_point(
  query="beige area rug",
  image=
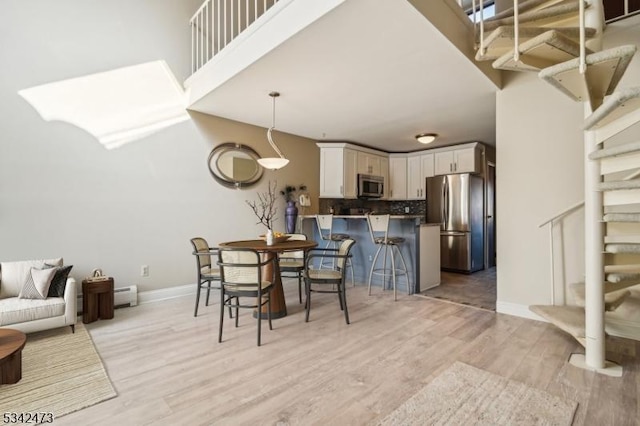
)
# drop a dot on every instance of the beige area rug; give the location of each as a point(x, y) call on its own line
point(61, 373)
point(465, 395)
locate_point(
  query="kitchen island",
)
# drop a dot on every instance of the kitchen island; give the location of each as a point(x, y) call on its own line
point(421, 249)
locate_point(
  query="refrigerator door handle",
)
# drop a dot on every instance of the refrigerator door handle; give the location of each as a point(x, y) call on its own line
point(443, 213)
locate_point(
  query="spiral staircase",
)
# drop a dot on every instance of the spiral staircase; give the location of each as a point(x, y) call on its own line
point(560, 41)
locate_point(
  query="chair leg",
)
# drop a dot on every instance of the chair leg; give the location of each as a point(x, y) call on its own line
point(221, 314)
point(237, 312)
point(406, 271)
point(384, 268)
point(373, 266)
point(195, 312)
point(269, 310)
point(307, 287)
point(206, 303)
point(340, 297)
point(343, 294)
point(300, 286)
point(393, 275)
point(350, 264)
point(259, 318)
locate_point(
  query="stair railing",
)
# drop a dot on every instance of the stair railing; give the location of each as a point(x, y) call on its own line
point(551, 222)
point(217, 22)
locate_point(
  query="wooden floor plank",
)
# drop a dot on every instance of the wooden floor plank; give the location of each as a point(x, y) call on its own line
point(168, 367)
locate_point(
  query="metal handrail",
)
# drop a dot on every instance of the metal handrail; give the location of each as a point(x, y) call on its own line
point(562, 214)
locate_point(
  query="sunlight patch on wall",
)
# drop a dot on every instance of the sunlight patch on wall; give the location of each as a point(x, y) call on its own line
point(116, 107)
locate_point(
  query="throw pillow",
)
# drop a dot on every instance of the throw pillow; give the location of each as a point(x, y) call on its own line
point(14, 274)
point(59, 281)
point(37, 284)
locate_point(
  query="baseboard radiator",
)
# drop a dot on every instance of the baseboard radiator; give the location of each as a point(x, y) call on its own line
point(123, 297)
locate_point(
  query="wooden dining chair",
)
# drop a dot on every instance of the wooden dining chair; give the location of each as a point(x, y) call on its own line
point(243, 284)
point(328, 280)
point(292, 263)
point(206, 274)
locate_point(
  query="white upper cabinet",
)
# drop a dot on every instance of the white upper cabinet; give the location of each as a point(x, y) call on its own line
point(369, 164)
point(338, 173)
point(419, 167)
point(384, 172)
point(339, 168)
point(463, 160)
point(397, 178)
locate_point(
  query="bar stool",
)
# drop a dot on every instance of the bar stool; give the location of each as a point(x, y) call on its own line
point(379, 230)
point(325, 227)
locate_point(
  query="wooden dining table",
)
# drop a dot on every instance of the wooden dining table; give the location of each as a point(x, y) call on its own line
point(278, 305)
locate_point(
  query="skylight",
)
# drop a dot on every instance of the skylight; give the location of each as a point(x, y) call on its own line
point(117, 106)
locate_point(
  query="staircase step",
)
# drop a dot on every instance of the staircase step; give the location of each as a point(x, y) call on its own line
point(622, 248)
point(622, 217)
point(611, 300)
point(621, 276)
point(604, 71)
point(622, 239)
point(547, 49)
point(567, 318)
point(525, 6)
point(616, 185)
point(615, 151)
point(501, 40)
point(563, 15)
point(617, 105)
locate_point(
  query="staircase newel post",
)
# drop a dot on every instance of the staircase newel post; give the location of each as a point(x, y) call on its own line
point(594, 259)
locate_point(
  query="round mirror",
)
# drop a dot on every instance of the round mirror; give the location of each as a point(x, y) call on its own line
point(235, 165)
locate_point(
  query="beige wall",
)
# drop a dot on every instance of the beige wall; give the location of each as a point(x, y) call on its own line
point(540, 173)
point(63, 194)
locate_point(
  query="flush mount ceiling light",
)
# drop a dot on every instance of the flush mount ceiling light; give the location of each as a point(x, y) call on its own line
point(426, 138)
point(273, 163)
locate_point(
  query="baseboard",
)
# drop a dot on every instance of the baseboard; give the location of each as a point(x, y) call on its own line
point(517, 310)
point(166, 293)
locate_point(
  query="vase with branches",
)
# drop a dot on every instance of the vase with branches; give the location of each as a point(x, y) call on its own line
point(265, 206)
point(291, 194)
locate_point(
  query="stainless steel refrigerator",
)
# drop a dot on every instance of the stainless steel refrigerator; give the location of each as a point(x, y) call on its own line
point(457, 203)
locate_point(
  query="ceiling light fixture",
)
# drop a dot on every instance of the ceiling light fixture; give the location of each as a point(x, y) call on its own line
point(273, 163)
point(426, 138)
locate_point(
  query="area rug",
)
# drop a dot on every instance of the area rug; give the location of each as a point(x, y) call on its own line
point(465, 395)
point(61, 373)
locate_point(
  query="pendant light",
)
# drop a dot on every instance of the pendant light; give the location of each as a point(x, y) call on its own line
point(273, 163)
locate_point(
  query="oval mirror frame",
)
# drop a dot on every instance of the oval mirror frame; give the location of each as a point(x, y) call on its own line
point(235, 165)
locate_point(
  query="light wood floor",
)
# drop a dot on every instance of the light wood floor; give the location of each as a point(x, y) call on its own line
point(169, 369)
point(477, 289)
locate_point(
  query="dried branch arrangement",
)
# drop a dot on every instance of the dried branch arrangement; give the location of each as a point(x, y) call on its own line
point(265, 206)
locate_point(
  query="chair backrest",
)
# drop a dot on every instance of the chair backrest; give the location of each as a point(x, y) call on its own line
point(201, 245)
point(378, 226)
point(298, 254)
point(325, 224)
point(343, 250)
point(239, 266)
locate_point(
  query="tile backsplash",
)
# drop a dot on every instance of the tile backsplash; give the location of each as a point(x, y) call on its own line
point(341, 206)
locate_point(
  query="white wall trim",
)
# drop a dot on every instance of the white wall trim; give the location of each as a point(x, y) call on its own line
point(517, 310)
point(151, 296)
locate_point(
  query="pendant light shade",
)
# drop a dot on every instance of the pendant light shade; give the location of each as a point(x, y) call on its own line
point(273, 163)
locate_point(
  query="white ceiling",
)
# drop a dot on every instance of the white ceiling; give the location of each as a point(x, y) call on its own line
point(372, 72)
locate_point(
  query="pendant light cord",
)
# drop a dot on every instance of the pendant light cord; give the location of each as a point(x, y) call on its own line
point(273, 125)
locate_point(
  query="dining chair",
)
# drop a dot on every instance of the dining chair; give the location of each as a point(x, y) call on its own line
point(241, 278)
point(206, 274)
point(328, 280)
point(324, 222)
point(292, 263)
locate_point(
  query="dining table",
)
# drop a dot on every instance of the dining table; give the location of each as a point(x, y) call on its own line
point(271, 252)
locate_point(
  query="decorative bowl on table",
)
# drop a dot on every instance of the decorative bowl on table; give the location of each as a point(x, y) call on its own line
point(277, 237)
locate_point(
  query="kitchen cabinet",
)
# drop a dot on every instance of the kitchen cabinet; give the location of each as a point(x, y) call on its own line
point(384, 172)
point(419, 167)
point(369, 164)
point(397, 178)
point(338, 173)
point(464, 160)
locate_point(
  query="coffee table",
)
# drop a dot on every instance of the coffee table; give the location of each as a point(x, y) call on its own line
point(11, 344)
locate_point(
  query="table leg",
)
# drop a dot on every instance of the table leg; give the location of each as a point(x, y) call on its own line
point(11, 368)
point(278, 306)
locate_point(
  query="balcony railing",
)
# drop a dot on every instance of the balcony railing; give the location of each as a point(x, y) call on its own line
point(218, 22)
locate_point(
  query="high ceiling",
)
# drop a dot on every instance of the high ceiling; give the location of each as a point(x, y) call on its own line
point(372, 72)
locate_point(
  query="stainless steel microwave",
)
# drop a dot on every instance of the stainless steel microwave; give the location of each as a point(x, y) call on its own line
point(370, 186)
